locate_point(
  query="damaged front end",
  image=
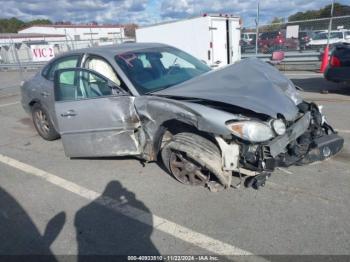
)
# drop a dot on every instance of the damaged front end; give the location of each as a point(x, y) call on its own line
point(308, 139)
point(258, 119)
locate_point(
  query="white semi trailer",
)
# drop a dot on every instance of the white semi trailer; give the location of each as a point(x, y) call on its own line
point(214, 39)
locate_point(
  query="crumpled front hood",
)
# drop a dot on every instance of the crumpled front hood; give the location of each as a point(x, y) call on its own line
point(250, 84)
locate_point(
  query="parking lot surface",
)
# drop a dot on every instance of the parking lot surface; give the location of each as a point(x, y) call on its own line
point(50, 204)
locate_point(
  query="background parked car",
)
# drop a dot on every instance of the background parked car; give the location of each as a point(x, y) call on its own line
point(338, 69)
point(320, 40)
point(276, 40)
point(247, 42)
point(248, 37)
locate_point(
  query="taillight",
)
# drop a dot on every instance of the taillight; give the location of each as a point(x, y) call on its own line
point(335, 62)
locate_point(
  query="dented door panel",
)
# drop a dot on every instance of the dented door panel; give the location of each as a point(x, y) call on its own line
point(105, 126)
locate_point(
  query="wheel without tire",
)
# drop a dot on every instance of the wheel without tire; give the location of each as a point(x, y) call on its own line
point(194, 160)
point(43, 123)
point(187, 170)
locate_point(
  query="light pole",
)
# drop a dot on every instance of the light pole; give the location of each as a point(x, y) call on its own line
point(257, 28)
point(330, 23)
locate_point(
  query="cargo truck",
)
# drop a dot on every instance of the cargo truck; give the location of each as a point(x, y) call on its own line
point(214, 39)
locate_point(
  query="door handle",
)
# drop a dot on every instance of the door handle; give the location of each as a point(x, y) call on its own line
point(44, 94)
point(69, 113)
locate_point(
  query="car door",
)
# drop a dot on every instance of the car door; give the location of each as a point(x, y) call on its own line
point(46, 83)
point(95, 117)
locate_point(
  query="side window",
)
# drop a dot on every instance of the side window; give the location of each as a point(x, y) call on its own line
point(170, 60)
point(337, 35)
point(79, 84)
point(101, 66)
point(66, 62)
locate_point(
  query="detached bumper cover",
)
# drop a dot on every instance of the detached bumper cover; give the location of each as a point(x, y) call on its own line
point(323, 147)
point(318, 149)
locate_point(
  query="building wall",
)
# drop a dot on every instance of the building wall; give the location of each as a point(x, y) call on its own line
point(5, 41)
point(78, 33)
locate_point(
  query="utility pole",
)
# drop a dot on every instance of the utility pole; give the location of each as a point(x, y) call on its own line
point(330, 23)
point(257, 28)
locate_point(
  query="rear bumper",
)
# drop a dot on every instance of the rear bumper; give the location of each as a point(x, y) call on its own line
point(337, 74)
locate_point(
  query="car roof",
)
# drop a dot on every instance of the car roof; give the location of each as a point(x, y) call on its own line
point(116, 49)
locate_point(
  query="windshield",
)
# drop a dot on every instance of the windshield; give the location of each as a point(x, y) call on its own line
point(252, 37)
point(155, 69)
point(321, 36)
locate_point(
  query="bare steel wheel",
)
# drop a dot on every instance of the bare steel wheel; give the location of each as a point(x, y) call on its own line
point(43, 123)
point(187, 171)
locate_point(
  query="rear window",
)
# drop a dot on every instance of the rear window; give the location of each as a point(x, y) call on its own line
point(336, 35)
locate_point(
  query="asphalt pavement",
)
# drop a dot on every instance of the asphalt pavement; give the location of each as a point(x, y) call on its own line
point(53, 205)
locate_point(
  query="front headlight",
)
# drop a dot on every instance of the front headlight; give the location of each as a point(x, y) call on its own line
point(279, 127)
point(251, 130)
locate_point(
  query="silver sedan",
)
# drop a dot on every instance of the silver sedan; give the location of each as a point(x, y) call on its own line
point(157, 102)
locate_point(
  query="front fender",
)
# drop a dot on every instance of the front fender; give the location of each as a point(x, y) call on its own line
point(155, 111)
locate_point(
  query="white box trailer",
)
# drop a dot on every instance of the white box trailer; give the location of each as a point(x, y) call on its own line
point(212, 39)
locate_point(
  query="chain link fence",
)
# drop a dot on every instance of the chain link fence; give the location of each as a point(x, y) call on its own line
point(305, 39)
point(19, 54)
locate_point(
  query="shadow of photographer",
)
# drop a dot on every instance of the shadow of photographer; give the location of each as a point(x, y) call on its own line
point(100, 230)
point(18, 233)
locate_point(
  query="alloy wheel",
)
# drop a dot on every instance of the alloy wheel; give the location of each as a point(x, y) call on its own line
point(42, 122)
point(187, 171)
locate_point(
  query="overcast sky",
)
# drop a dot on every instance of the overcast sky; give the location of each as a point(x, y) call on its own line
point(151, 11)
